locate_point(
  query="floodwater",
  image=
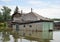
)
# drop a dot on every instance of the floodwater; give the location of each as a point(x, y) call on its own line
point(7, 37)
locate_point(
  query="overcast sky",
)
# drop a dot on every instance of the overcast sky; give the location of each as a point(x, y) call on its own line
point(46, 8)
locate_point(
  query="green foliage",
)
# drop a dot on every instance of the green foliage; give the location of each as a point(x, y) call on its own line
point(16, 10)
point(6, 36)
point(1, 17)
point(55, 19)
point(4, 17)
point(5, 14)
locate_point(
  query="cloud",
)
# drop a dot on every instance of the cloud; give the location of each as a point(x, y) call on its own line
point(6, 0)
point(46, 12)
point(44, 4)
point(35, 2)
point(55, 6)
point(50, 12)
point(46, 9)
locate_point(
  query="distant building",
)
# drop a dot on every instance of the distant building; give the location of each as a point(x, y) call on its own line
point(56, 25)
point(31, 22)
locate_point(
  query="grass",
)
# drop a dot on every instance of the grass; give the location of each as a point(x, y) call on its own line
point(4, 27)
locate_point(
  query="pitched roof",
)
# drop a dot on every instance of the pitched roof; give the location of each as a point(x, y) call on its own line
point(39, 16)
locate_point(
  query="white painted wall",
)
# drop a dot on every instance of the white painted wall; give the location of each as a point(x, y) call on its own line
point(17, 19)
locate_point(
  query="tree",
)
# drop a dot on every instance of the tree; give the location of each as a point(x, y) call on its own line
point(1, 17)
point(16, 10)
point(6, 13)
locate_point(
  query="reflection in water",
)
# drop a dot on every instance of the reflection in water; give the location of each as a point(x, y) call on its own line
point(7, 36)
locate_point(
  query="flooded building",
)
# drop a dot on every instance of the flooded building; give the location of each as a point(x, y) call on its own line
point(32, 25)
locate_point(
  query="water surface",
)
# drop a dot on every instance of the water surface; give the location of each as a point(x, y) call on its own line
point(7, 37)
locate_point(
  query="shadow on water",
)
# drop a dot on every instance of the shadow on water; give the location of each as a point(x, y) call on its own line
point(5, 36)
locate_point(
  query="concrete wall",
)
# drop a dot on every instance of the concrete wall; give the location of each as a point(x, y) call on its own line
point(17, 19)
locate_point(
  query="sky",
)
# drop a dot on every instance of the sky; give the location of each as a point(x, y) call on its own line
point(46, 8)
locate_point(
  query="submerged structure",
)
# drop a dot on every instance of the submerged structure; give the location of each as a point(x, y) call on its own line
point(32, 25)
